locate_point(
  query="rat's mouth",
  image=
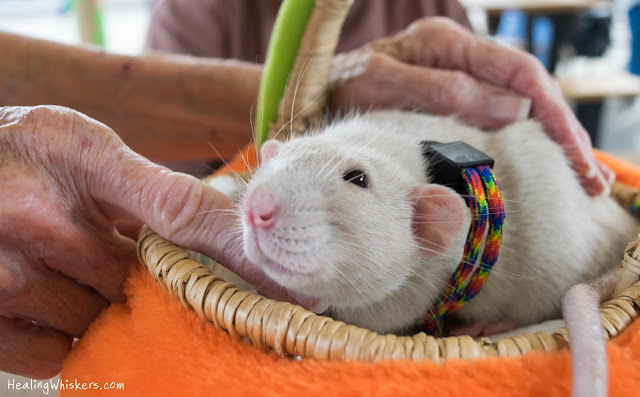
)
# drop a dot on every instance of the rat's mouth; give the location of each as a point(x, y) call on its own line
point(271, 263)
point(276, 267)
point(284, 275)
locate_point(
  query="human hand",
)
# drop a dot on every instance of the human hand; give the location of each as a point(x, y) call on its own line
point(440, 67)
point(66, 181)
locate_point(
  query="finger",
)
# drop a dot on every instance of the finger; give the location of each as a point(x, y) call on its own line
point(129, 229)
point(180, 208)
point(32, 291)
point(435, 91)
point(30, 350)
point(102, 261)
point(453, 47)
point(577, 148)
point(124, 185)
point(600, 184)
point(604, 176)
point(82, 246)
point(607, 173)
point(596, 178)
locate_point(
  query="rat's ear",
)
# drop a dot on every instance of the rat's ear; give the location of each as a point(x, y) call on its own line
point(438, 217)
point(269, 150)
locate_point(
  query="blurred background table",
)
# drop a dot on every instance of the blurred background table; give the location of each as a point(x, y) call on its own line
point(587, 92)
point(534, 6)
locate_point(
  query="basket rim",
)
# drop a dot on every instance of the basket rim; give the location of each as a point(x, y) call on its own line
point(290, 330)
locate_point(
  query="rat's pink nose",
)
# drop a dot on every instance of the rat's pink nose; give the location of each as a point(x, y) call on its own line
point(261, 211)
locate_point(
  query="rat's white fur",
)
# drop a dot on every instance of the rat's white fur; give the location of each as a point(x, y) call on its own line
point(354, 248)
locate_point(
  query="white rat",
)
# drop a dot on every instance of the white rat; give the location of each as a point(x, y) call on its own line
point(347, 218)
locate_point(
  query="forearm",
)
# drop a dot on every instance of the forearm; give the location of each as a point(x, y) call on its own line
point(168, 108)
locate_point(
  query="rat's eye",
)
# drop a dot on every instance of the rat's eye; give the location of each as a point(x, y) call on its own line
point(357, 177)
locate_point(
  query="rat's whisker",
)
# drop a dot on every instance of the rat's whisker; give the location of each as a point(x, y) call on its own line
point(299, 113)
point(295, 92)
point(227, 211)
point(233, 172)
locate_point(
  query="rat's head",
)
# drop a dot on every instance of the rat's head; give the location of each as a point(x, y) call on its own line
point(330, 219)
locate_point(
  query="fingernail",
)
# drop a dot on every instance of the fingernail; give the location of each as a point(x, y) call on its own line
point(591, 172)
point(511, 108)
point(599, 182)
point(606, 191)
point(609, 175)
point(602, 188)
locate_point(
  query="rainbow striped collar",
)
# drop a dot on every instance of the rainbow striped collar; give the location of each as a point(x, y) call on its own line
point(469, 172)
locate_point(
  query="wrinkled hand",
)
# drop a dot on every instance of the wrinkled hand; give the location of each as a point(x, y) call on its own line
point(440, 67)
point(65, 181)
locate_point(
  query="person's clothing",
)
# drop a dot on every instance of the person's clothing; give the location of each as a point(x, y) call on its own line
point(240, 29)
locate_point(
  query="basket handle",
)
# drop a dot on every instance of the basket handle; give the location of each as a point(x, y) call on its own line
point(305, 94)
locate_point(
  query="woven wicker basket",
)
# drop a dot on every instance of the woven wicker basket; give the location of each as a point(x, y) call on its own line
point(291, 330)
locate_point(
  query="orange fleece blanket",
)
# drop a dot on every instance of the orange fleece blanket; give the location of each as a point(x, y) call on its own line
point(156, 347)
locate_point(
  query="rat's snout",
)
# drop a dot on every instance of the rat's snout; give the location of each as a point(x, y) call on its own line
point(260, 211)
